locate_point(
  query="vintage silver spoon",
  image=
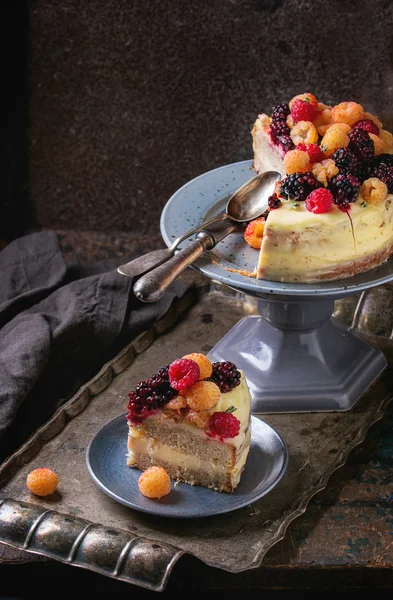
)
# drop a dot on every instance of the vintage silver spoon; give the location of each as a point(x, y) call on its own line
point(155, 258)
point(249, 202)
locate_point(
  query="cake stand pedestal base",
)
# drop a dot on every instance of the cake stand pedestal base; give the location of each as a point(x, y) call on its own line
point(298, 358)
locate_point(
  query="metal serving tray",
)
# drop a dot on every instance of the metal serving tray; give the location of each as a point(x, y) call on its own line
point(82, 526)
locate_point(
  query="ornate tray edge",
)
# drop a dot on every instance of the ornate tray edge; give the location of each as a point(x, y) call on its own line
point(169, 554)
point(342, 458)
point(14, 513)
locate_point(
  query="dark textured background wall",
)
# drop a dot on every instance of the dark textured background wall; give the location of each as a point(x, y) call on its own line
point(128, 100)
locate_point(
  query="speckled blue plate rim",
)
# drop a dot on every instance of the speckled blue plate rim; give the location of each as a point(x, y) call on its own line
point(226, 502)
point(188, 207)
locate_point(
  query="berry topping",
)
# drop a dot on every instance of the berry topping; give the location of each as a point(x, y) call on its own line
point(280, 112)
point(374, 191)
point(361, 144)
point(204, 364)
point(299, 185)
point(285, 142)
point(347, 112)
point(345, 189)
point(325, 170)
point(203, 395)
point(347, 161)
point(307, 97)
point(183, 373)
point(313, 150)
point(296, 161)
point(277, 129)
point(382, 167)
point(42, 482)
point(154, 482)
point(253, 235)
point(334, 138)
point(319, 201)
point(224, 425)
point(150, 395)
point(273, 202)
point(226, 376)
point(303, 111)
point(367, 125)
point(304, 132)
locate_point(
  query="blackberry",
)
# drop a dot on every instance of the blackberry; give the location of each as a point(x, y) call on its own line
point(280, 112)
point(299, 185)
point(226, 376)
point(286, 142)
point(150, 395)
point(361, 144)
point(274, 202)
point(277, 129)
point(348, 162)
point(382, 167)
point(345, 189)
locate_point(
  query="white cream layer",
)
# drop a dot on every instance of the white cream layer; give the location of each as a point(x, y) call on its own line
point(160, 452)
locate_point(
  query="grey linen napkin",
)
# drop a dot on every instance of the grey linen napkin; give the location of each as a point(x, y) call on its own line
point(59, 324)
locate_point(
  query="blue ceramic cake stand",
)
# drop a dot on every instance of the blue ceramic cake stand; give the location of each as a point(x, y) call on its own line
point(295, 355)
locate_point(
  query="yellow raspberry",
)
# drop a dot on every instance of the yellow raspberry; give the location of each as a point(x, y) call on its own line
point(320, 173)
point(154, 482)
point(387, 139)
point(304, 132)
point(373, 118)
point(330, 166)
point(296, 161)
point(347, 112)
point(307, 97)
point(379, 145)
point(325, 170)
point(290, 121)
point(199, 418)
point(374, 191)
point(265, 120)
point(202, 395)
point(177, 403)
point(333, 139)
point(204, 364)
point(42, 482)
point(324, 118)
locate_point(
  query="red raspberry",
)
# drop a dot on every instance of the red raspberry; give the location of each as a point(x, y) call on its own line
point(224, 425)
point(314, 152)
point(183, 373)
point(367, 125)
point(303, 111)
point(319, 201)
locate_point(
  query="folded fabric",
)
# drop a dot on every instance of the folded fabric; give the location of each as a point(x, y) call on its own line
point(59, 324)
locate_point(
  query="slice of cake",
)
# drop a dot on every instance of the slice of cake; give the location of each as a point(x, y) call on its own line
point(331, 215)
point(193, 419)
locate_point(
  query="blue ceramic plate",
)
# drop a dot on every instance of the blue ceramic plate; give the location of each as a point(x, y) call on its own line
point(203, 197)
point(106, 461)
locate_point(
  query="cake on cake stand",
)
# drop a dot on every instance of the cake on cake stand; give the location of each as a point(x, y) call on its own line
point(295, 355)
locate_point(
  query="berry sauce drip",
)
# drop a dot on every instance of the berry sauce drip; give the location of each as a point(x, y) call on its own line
point(226, 376)
point(382, 167)
point(299, 185)
point(150, 395)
